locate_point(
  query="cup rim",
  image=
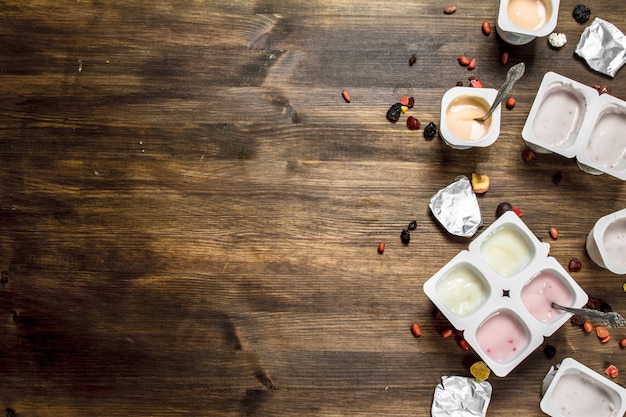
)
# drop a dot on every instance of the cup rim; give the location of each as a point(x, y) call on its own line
point(505, 23)
point(598, 236)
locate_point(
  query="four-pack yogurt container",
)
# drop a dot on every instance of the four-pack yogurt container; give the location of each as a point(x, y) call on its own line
point(499, 292)
point(571, 119)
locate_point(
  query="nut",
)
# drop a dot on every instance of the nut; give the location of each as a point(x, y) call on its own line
point(463, 60)
point(480, 183)
point(346, 96)
point(587, 326)
point(381, 248)
point(472, 64)
point(554, 233)
point(486, 27)
point(505, 58)
point(476, 83)
point(416, 330)
point(412, 59)
point(510, 102)
point(449, 9)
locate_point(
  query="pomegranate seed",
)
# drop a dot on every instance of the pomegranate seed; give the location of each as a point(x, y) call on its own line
point(412, 123)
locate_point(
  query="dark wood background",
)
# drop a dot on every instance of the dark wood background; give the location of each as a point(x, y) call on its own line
point(190, 212)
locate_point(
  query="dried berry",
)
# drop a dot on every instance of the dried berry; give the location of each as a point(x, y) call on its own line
point(430, 130)
point(393, 114)
point(528, 155)
point(581, 13)
point(411, 103)
point(549, 351)
point(622, 343)
point(459, 83)
point(505, 58)
point(346, 96)
point(510, 102)
point(416, 329)
point(472, 64)
point(602, 332)
point(602, 89)
point(405, 236)
point(476, 83)
point(5, 277)
point(587, 327)
point(574, 265)
point(412, 123)
point(518, 211)
point(412, 225)
point(557, 178)
point(412, 59)
point(463, 344)
point(503, 208)
point(463, 60)
point(404, 100)
point(486, 27)
point(611, 371)
point(449, 9)
point(554, 233)
point(381, 248)
point(446, 333)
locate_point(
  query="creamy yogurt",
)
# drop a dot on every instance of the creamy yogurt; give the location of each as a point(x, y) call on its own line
point(543, 290)
point(559, 117)
point(462, 290)
point(607, 144)
point(614, 241)
point(460, 116)
point(578, 395)
point(502, 337)
point(506, 251)
point(528, 14)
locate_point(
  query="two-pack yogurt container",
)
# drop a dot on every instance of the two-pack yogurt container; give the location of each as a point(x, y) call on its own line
point(577, 391)
point(499, 292)
point(572, 120)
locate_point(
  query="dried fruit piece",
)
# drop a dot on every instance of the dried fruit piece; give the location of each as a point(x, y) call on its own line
point(404, 109)
point(463, 60)
point(381, 248)
point(505, 58)
point(405, 236)
point(581, 13)
point(412, 59)
point(463, 344)
point(480, 371)
point(587, 327)
point(528, 155)
point(624, 286)
point(486, 27)
point(412, 123)
point(557, 178)
point(476, 83)
point(554, 233)
point(602, 332)
point(472, 64)
point(549, 351)
point(446, 333)
point(412, 225)
point(346, 95)
point(602, 89)
point(416, 329)
point(574, 265)
point(622, 343)
point(612, 371)
point(411, 103)
point(480, 183)
point(518, 211)
point(503, 208)
point(605, 339)
point(449, 9)
point(510, 102)
point(557, 40)
point(430, 130)
point(404, 100)
point(393, 114)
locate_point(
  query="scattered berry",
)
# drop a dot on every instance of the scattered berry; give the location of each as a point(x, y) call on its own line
point(622, 343)
point(405, 236)
point(505, 58)
point(476, 83)
point(472, 64)
point(602, 332)
point(446, 333)
point(463, 60)
point(581, 13)
point(412, 123)
point(486, 27)
point(611, 371)
point(393, 114)
point(587, 327)
point(449, 9)
point(412, 59)
point(480, 371)
point(459, 83)
point(574, 265)
point(430, 130)
point(412, 225)
point(602, 89)
point(416, 329)
point(381, 248)
point(528, 155)
point(346, 96)
point(549, 351)
point(554, 233)
point(518, 211)
point(557, 178)
point(503, 208)
point(404, 100)
point(510, 102)
point(463, 344)
point(411, 103)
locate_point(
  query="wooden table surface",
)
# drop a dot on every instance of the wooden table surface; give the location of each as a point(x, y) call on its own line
point(190, 211)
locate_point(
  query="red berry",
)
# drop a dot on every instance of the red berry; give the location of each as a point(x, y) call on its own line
point(528, 155)
point(411, 103)
point(574, 265)
point(518, 211)
point(622, 343)
point(476, 83)
point(412, 123)
point(611, 371)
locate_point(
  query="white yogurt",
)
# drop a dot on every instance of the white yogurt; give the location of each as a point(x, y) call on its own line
point(614, 241)
point(506, 251)
point(462, 290)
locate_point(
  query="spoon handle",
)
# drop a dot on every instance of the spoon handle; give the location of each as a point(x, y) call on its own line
point(514, 74)
point(610, 319)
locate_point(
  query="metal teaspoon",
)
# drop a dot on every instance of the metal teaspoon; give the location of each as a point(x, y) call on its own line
point(514, 74)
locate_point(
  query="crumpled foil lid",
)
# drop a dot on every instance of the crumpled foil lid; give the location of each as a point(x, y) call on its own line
point(456, 208)
point(603, 46)
point(459, 396)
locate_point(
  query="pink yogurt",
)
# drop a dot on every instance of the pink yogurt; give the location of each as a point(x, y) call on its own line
point(614, 241)
point(502, 337)
point(607, 145)
point(543, 290)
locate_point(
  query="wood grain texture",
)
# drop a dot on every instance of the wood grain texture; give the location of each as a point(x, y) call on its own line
point(190, 211)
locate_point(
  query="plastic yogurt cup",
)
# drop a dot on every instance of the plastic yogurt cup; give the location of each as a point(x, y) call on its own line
point(604, 149)
point(606, 242)
point(500, 291)
point(559, 118)
point(577, 391)
point(459, 107)
point(521, 21)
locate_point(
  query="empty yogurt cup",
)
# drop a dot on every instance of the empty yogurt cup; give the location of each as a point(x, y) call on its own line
point(578, 391)
point(500, 293)
point(604, 149)
point(521, 21)
point(606, 242)
point(459, 107)
point(559, 118)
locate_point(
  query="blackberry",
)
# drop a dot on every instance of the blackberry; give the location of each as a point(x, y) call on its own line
point(549, 351)
point(430, 130)
point(581, 13)
point(405, 236)
point(413, 225)
point(393, 114)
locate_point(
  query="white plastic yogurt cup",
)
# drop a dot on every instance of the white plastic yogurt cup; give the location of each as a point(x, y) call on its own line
point(559, 118)
point(504, 312)
point(606, 242)
point(521, 21)
point(459, 107)
point(578, 391)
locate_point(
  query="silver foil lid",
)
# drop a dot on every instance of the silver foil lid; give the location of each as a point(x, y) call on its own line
point(458, 396)
point(603, 46)
point(456, 208)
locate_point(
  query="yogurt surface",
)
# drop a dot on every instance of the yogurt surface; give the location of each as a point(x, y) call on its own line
point(502, 337)
point(607, 144)
point(462, 290)
point(578, 395)
point(559, 116)
point(614, 241)
point(460, 116)
point(506, 251)
point(543, 290)
point(528, 14)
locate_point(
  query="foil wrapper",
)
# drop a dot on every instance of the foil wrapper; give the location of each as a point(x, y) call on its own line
point(456, 208)
point(547, 380)
point(459, 396)
point(603, 47)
